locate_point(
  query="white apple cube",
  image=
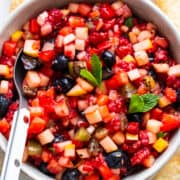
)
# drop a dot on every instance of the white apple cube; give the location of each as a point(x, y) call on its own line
point(69, 38)
point(80, 44)
point(33, 79)
point(41, 19)
point(59, 41)
point(4, 87)
point(46, 29)
point(141, 58)
point(174, 70)
point(161, 68)
point(153, 125)
point(81, 33)
point(134, 74)
point(4, 70)
point(45, 137)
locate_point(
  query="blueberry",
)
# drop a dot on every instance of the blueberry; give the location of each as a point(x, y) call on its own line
point(3, 105)
point(71, 174)
point(60, 63)
point(108, 58)
point(63, 84)
point(135, 117)
point(117, 159)
point(59, 138)
point(151, 57)
point(153, 74)
point(107, 73)
point(178, 96)
point(43, 168)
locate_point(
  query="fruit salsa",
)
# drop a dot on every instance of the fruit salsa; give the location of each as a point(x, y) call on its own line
point(102, 87)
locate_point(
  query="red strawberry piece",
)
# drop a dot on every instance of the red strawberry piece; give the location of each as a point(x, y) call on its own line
point(9, 48)
point(107, 12)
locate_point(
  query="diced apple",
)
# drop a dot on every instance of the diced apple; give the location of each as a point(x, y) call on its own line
point(59, 41)
point(152, 137)
point(70, 51)
point(129, 58)
point(82, 104)
point(80, 44)
point(119, 138)
point(134, 74)
point(69, 150)
point(69, 38)
point(143, 45)
point(33, 79)
point(93, 115)
point(45, 137)
point(148, 161)
point(153, 126)
point(161, 68)
point(141, 58)
point(81, 55)
point(117, 5)
point(4, 70)
point(41, 19)
point(77, 90)
point(61, 108)
point(44, 80)
point(163, 102)
point(4, 87)
point(83, 153)
point(46, 29)
point(84, 84)
point(132, 137)
point(65, 12)
point(144, 35)
point(108, 144)
point(73, 7)
point(48, 46)
point(174, 70)
point(59, 147)
point(90, 129)
point(81, 33)
point(105, 114)
point(31, 47)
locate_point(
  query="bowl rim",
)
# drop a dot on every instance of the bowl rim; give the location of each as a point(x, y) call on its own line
point(160, 161)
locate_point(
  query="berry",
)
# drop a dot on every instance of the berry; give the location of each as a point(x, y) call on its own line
point(135, 117)
point(133, 127)
point(43, 168)
point(59, 138)
point(71, 174)
point(107, 73)
point(107, 12)
point(98, 37)
point(108, 58)
point(3, 105)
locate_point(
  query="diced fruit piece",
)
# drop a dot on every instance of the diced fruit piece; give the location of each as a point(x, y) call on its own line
point(118, 138)
point(149, 161)
point(31, 47)
point(105, 114)
point(90, 129)
point(143, 45)
point(107, 12)
point(141, 58)
point(33, 79)
point(34, 148)
point(84, 84)
point(170, 94)
point(69, 150)
point(46, 55)
point(102, 89)
point(76, 21)
point(161, 68)
point(82, 105)
point(42, 18)
point(161, 41)
point(54, 167)
point(70, 51)
point(117, 5)
point(82, 135)
point(47, 46)
point(69, 38)
point(134, 74)
point(9, 48)
point(81, 33)
point(152, 137)
point(132, 137)
point(46, 29)
point(44, 80)
point(37, 125)
point(4, 126)
point(153, 125)
point(45, 137)
point(77, 90)
point(129, 58)
point(73, 7)
point(163, 102)
point(64, 161)
point(174, 70)
point(17, 35)
point(160, 145)
point(59, 41)
point(36, 111)
point(149, 82)
point(170, 122)
point(4, 70)
point(108, 144)
point(93, 115)
point(83, 153)
point(34, 27)
point(84, 9)
point(144, 35)
point(60, 146)
point(80, 44)
point(61, 108)
point(4, 87)
point(101, 133)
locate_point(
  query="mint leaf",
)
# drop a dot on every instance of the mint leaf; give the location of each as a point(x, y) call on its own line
point(136, 104)
point(161, 134)
point(129, 22)
point(96, 68)
point(150, 101)
point(88, 75)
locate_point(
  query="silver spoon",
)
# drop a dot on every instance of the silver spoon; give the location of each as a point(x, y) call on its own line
point(17, 139)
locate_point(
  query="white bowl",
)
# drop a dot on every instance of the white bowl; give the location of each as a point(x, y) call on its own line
point(144, 9)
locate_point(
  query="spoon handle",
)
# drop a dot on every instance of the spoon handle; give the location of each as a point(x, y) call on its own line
point(15, 147)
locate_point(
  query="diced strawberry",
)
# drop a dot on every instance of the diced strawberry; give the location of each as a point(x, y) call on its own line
point(65, 162)
point(105, 172)
point(65, 30)
point(91, 177)
point(107, 12)
point(104, 45)
point(4, 126)
point(156, 113)
point(47, 55)
point(170, 122)
point(61, 108)
point(124, 50)
point(34, 26)
point(54, 167)
point(84, 9)
point(9, 48)
point(46, 156)
point(70, 51)
point(170, 94)
point(75, 21)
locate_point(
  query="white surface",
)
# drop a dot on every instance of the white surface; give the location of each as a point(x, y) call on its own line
point(4, 10)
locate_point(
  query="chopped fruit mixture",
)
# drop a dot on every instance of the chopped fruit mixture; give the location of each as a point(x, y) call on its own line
point(103, 91)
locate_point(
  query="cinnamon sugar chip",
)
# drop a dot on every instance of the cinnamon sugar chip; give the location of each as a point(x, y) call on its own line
point(15, 3)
